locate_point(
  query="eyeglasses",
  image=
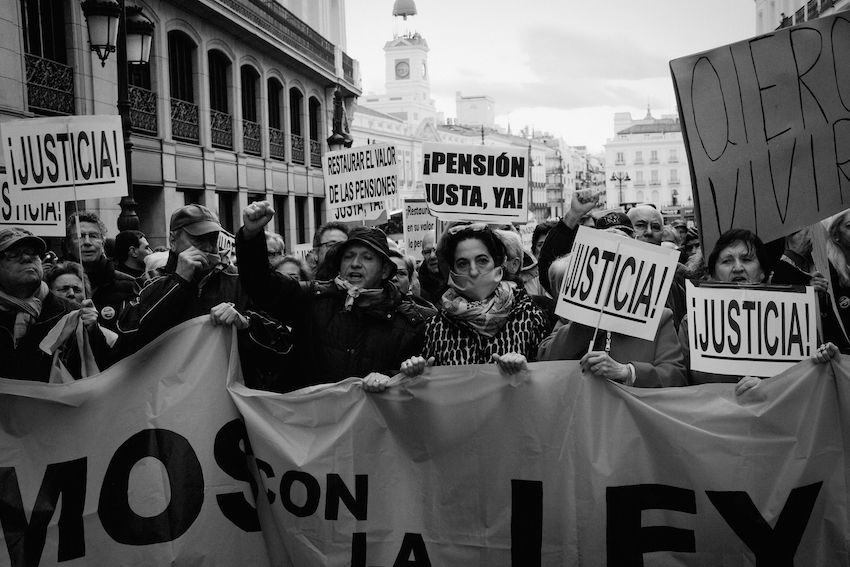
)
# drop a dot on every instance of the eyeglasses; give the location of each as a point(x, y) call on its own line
point(275, 254)
point(87, 235)
point(474, 227)
point(17, 253)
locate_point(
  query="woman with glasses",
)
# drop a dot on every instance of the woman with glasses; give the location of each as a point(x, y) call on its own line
point(483, 318)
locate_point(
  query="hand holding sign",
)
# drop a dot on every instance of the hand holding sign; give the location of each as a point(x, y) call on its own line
point(256, 216)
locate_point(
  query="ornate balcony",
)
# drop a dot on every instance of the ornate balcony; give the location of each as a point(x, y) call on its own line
point(277, 143)
point(297, 148)
point(221, 129)
point(50, 86)
point(315, 153)
point(347, 68)
point(143, 111)
point(184, 121)
point(251, 138)
point(812, 10)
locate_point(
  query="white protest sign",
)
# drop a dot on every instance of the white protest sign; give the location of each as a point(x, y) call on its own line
point(744, 331)
point(42, 218)
point(624, 279)
point(417, 222)
point(63, 153)
point(481, 183)
point(226, 241)
point(358, 181)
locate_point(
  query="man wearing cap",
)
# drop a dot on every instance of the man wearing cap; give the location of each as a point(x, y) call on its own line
point(28, 311)
point(193, 282)
point(353, 325)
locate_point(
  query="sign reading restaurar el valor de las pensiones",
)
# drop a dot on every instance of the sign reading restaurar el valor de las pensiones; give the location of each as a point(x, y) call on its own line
point(64, 158)
point(617, 283)
point(359, 181)
point(742, 331)
point(480, 183)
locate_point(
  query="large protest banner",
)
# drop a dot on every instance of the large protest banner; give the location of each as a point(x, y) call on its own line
point(71, 157)
point(358, 181)
point(749, 331)
point(142, 464)
point(41, 217)
point(616, 283)
point(466, 467)
point(767, 129)
point(483, 183)
point(417, 223)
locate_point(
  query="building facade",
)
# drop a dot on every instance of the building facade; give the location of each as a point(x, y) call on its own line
point(777, 14)
point(651, 153)
point(234, 106)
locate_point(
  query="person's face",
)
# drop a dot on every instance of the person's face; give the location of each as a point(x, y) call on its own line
point(68, 286)
point(429, 253)
point(20, 268)
point(737, 263)
point(843, 236)
point(328, 239)
point(538, 246)
point(402, 277)
point(363, 267)
point(142, 250)
point(182, 240)
point(682, 229)
point(472, 258)
point(89, 243)
point(290, 269)
point(647, 224)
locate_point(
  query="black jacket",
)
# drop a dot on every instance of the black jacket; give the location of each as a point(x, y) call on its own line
point(109, 290)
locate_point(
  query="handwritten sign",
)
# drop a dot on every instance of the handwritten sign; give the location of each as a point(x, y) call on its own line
point(482, 183)
point(40, 217)
point(417, 223)
point(72, 157)
point(358, 181)
point(745, 331)
point(767, 129)
point(625, 280)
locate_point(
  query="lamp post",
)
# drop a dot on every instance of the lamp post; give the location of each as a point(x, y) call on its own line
point(128, 33)
point(619, 178)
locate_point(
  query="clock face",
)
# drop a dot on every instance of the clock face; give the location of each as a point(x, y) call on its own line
point(402, 70)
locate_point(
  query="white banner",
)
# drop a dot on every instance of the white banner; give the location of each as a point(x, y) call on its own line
point(40, 217)
point(58, 155)
point(417, 223)
point(359, 181)
point(481, 183)
point(616, 283)
point(742, 331)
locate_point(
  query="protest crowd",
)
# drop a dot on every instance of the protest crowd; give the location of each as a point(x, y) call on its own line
point(363, 308)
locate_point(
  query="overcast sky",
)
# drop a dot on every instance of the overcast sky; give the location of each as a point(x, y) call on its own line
point(560, 66)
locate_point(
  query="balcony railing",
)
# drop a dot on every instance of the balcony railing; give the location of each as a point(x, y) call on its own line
point(50, 86)
point(347, 68)
point(283, 24)
point(277, 143)
point(315, 153)
point(655, 183)
point(800, 15)
point(251, 138)
point(812, 10)
point(297, 148)
point(221, 129)
point(184, 121)
point(826, 5)
point(143, 110)
point(673, 182)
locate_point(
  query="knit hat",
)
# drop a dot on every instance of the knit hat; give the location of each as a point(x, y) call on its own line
point(617, 220)
point(372, 237)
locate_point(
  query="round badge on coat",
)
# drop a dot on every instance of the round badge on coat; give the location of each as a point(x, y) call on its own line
point(107, 313)
point(844, 302)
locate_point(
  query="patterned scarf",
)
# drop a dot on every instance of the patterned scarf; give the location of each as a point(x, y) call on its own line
point(485, 317)
point(27, 310)
point(364, 297)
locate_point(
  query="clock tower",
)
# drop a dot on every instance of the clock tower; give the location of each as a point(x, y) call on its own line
point(406, 59)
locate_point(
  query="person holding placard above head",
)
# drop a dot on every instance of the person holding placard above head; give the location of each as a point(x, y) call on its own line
point(484, 318)
point(739, 257)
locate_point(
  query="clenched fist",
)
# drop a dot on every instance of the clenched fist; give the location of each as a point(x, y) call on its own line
point(255, 217)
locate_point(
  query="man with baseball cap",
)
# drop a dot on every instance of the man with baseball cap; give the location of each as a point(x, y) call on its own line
point(193, 282)
point(28, 311)
point(353, 325)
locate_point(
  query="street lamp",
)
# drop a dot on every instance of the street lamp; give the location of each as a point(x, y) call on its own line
point(128, 33)
point(619, 178)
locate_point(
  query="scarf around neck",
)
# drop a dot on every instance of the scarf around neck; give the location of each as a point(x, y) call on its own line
point(486, 317)
point(26, 310)
point(364, 297)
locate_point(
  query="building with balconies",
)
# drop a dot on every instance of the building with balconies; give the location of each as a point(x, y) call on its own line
point(776, 14)
point(234, 106)
point(651, 152)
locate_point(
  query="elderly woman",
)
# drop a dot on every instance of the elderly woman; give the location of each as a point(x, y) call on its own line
point(352, 325)
point(738, 257)
point(483, 317)
point(293, 267)
point(68, 280)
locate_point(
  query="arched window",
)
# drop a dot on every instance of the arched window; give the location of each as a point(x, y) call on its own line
point(50, 81)
point(181, 74)
point(315, 114)
point(251, 139)
point(277, 136)
point(221, 122)
point(295, 111)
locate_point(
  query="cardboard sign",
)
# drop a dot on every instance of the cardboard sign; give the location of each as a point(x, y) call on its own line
point(226, 241)
point(481, 183)
point(616, 283)
point(40, 217)
point(358, 181)
point(746, 331)
point(767, 129)
point(65, 154)
point(417, 223)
